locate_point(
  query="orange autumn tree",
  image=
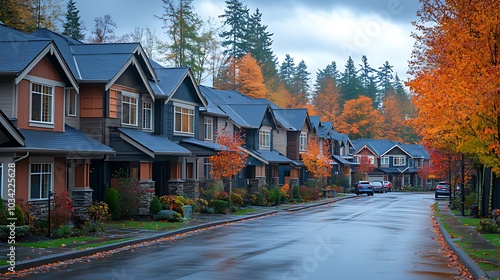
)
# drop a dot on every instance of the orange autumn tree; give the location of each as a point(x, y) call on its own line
point(249, 78)
point(231, 159)
point(394, 122)
point(455, 72)
point(281, 97)
point(317, 160)
point(326, 102)
point(359, 119)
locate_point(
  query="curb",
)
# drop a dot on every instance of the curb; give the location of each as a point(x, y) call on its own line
point(470, 264)
point(298, 208)
point(55, 258)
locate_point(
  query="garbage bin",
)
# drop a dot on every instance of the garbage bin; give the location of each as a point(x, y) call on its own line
point(188, 209)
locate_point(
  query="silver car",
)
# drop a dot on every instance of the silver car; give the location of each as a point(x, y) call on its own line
point(378, 186)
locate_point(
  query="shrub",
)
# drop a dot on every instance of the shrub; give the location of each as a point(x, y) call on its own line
point(258, 199)
point(296, 194)
point(19, 213)
point(21, 232)
point(113, 202)
point(98, 212)
point(236, 199)
point(285, 192)
point(62, 232)
point(487, 226)
point(200, 205)
point(3, 215)
point(129, 193)
point(155, 206)
point(220, 206)
point(173, 202)
point(168, 215)
point(274, 196)
point(222, 195)
point(62, 211)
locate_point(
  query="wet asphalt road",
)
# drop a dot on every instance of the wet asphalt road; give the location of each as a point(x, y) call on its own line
point(386, 236)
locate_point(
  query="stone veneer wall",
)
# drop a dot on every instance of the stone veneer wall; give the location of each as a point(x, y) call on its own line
point(294, 182)
point(191, 189)
point(39, 208)
point(148, 192)
point(81, 200)
point(176, 187)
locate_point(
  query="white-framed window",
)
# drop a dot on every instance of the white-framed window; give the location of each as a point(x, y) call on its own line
point(265, 138)
point(41, 180)
point(184, 119)
point(371, 159)
point(303, 141)
point(384, 161)
point(42, 103)
point(129, 108)
point(399, 161)
point(147, 115)
point(71, 104)
point(209, 128)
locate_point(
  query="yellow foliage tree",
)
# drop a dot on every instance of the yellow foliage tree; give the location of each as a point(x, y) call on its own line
point(394, 122)
point(231, 159)
point(249, 79)
point(281, 97)
point(359, 119)
point(455, 78)
point(326, 102)
point(317, 159)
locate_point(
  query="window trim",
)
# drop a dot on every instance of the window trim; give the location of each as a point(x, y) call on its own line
point(302, 146)
point(264, 134)
point(52, 99)
point(209, 130)
point(398, 158)
point(134, 96)
point(75, 105)
point(147, 111)
point(51, 187)
point(187, 107)
point(383, 159)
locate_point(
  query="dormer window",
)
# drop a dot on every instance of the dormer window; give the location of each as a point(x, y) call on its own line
point(129, 108)
point(264, 138)
point(184, 119)
point(303, 141)
point(42, 103)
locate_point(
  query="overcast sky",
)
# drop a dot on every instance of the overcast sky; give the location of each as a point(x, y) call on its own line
point(316, 31)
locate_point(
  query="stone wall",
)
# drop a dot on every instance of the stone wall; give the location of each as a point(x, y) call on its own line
point(148, 192)
point(176, 187)
point(191, 189)
point(81, 200)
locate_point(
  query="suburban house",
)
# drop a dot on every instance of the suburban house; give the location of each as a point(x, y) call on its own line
point(394, 161)
point(257, 121)
point(37, 95)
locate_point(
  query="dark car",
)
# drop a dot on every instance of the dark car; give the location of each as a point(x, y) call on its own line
point(442, 189)
point(378, 186)
point(364, 187)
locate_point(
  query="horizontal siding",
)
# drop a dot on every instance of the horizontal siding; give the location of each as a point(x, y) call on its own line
point(92, 127)
point(6, 95)
point(279, 141)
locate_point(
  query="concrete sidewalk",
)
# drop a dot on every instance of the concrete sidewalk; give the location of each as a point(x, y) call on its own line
point(27, 257)
point(470, 235)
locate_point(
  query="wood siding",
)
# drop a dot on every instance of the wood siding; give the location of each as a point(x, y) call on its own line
point(24, 107)
point(113, 104)
point(187, 92)
point(45, 69)
point(292, 149)
point(279, 141)
point(91, 101)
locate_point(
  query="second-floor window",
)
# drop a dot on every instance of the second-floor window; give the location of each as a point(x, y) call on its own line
point(40, 180)
point(71, 102)
point(147, 115)
point(129, 108)
point(399, 161)
point(384, 161)
point(209, 128)
point(184, 120)
point(303, 141)
point(42, 103)
point(265, 138)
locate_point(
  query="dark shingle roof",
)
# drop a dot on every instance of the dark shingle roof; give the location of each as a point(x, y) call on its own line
point(246, 115)
point(416, 150)
point(16, 56)
point(69, 141)
point(100, 67)
point(9, 134)
point(269, 157)
point(295, 117)
point(153, 144)
point(168, 79)
point(205, 144)
point(211, 105)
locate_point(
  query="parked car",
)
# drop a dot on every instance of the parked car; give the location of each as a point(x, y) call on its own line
point(442, 189)
point(387, 185)
point(364, 187)
point(378, 186)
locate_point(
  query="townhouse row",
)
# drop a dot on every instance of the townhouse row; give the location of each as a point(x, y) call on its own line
point(74, 114)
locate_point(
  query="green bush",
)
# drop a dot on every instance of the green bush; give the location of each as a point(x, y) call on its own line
point(200, 205)
point(155, 206)
point(113, 201)
point(274, 196)
point(487, 226)
point(3, 215)
point(62, 232)
point(220, 206)
point(296, 194)
point(19, 213)
point(21, 232)
point(168, 215)
point(258, 199)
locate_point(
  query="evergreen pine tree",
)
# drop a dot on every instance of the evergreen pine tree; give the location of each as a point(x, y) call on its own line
point(287, 73)
point(301, 84)
point(367, 80)
point(73, 26)
point(235, 40)
point(384, 80)
point(349, 82)
point(330, 72)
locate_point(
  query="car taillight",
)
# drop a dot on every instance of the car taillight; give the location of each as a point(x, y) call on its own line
point(438, 187)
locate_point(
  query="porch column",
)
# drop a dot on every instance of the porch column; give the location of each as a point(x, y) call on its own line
point(81, 193)
point(147, 186)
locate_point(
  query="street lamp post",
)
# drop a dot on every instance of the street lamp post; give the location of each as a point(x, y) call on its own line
point(462, 189)
point(449, 177)
point(51, 193)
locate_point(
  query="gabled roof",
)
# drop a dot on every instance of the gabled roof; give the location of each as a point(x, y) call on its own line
point(416, 151)
point(246, 115)
point(71, 141)
point(151, 144)
point(211, 107)
point(293, 119)
point(20, 52)
point(268, 157)
point(377, 146)
point(396, 146)
point(169, 80)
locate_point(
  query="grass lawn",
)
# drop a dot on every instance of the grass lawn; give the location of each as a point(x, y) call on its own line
point(245, 211)
point(3, 262)
point(149, 225)
point(92, 245)
point(494, 238)
point(51, 243)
